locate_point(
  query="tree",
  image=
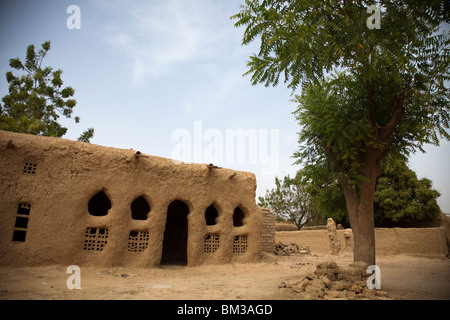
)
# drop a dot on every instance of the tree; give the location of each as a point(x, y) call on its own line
point(326, 193)
point(37, 98)
point(385, 94)
point(87, 135)
point(401, 198)
point(290, 201)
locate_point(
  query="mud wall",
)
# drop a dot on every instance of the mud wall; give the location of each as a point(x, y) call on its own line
point(430, 242)
point(54, 206)
point(267, 231)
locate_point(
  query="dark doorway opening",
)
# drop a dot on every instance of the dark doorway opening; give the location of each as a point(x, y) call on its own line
point(175, 234)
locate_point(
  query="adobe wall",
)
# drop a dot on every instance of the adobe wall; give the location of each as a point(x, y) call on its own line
point(267, 231)
point(430, 242)
point(59, 177)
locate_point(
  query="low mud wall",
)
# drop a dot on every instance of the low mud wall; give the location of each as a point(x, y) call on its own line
point(429, 242)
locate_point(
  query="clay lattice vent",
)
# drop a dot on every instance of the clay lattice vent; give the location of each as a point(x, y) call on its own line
point(29, 168)
point(211, 243)
point(138, 241)
point(240, 244)
point(95, 239)
point(20, 227)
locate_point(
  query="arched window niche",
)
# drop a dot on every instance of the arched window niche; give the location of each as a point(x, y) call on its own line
point(238, 217)
point(211, 215)
point(99, 204)
point(140, 208)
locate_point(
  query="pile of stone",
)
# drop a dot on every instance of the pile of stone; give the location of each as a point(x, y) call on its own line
point(291, 248)
point(329, 282)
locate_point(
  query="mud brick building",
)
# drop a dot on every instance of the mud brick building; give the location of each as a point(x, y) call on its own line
point(68, 202)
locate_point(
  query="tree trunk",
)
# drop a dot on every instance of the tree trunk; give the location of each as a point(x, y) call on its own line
point(360, 210)
point(362, 224)
point(360, 204)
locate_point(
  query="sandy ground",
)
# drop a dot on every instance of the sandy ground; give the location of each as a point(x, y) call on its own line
point(403, 277)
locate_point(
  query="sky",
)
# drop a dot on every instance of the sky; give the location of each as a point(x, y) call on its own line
point(166, 78)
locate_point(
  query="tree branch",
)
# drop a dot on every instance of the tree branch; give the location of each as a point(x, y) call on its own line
point(351, 195)
point(373, 120)
point(396, 119)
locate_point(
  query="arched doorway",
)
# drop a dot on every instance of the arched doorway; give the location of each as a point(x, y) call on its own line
point(175, 234)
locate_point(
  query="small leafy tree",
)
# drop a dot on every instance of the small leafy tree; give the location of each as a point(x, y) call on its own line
point(87, 135)
point(290, 201)
point(402, 198)
point(37, 98)
point(326, 193)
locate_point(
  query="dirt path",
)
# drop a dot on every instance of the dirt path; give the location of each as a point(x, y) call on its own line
point(403, 277)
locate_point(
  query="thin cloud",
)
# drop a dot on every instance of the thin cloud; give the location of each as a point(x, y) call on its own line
point(162, 35)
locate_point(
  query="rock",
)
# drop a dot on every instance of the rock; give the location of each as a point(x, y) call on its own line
point(327, 282)
point(292, 283)
point(381, 293)
point(328, 269)
point(369, 292)
point(311, 276)
point(355, 288)
point(304, 250)
point(300, 287)
point(350, 273)
point(341, 295)
point(314, 291)
point(287, 249)
point(332, 294)
point(317, 283)
point(339, 285)
point(350, 294)
point(327, 265)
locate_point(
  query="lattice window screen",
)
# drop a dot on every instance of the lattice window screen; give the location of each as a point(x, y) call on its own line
point(211, 243)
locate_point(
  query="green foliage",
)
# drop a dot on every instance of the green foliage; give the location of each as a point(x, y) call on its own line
point(335, 131)
point(326, 193)
point(304, 39)
point(363, 90)
point(398, 68)
point(87, 135)
point(37, 97)
point(401, 198)
point(289, 201)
